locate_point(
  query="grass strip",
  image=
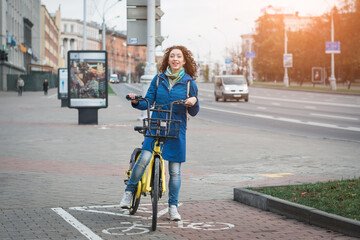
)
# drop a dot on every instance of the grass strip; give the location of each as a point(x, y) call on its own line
point(110, 90)
point(340, 197)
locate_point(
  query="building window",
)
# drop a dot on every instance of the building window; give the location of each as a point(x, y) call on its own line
point(65, 27)
point(72, 28)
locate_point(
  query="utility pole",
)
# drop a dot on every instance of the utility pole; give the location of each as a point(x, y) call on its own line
point(84, 27)
point(250, 62)
point(103, 22)
point(286, 77)
point(332, 77)
point(150, 68)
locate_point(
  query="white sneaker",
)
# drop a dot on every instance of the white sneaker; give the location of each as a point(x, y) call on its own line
point(126, 200)
point(173, 213)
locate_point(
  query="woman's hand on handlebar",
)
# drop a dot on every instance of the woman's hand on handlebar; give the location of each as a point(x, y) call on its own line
point(189, 102)
point(132, 96)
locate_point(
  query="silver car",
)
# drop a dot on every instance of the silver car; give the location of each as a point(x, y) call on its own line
point(231, 87)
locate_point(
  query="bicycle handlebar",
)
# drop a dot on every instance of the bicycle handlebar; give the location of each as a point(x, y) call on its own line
point(140, 98)
point(137, 98)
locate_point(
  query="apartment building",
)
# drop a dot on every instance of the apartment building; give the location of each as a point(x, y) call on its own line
point(50, 39)
point(72, 37)
point(20, 37)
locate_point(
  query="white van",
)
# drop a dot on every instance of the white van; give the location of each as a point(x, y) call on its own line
point(114, 78)
point(231, 87)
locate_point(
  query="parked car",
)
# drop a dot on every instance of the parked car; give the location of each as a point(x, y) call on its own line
point(231, 87)
point(114, 78)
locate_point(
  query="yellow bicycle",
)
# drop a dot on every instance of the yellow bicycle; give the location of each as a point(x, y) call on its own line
point(153, 181)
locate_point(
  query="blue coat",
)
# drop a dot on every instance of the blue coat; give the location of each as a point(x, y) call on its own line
point(174, 149)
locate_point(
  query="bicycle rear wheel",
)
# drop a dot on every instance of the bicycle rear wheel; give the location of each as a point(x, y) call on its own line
point(136, 197)
point(155, 191)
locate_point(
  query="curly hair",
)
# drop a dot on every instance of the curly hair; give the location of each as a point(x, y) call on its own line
point(190, 64)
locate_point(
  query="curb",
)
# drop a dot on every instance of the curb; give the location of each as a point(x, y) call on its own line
point(299, 212)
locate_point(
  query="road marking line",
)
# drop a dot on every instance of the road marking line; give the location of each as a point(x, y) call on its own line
point(276, 175)
point(356, 129)
point(309, 102)
point(333, 116)
point(76, 224)
point(301, 101)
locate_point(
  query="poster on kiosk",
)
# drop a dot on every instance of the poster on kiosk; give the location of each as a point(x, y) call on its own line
point(63, 83)
point(87, 79)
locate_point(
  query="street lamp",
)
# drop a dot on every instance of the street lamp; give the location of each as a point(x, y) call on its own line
point(209, 57)
point(103, 22)
point(226, 40)
point(125, 60)
point(286, 77)
point(226, 49)
point(250, 51)
point(209, 46)
point(332, 77)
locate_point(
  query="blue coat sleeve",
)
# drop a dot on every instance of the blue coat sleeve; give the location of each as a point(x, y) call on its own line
point(150, 96)
point(194, 93)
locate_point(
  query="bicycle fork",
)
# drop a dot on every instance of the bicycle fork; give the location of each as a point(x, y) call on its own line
point(146, 179)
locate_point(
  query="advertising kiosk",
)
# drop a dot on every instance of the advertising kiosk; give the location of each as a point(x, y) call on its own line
point(87, 84)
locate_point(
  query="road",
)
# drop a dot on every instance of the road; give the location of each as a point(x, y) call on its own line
point(300, 113)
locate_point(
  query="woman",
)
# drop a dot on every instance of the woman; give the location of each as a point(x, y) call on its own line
point(178, 69)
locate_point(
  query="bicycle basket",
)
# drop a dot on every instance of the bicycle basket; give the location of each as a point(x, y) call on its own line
point(161, 128)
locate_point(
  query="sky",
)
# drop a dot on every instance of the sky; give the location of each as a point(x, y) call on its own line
point(206, 27)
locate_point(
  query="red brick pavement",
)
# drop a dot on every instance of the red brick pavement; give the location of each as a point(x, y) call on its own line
point(227, 219)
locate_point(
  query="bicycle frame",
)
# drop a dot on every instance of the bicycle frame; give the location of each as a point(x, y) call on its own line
point(146, 178)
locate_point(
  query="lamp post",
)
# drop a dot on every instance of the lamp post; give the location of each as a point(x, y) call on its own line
point(286, 77)
point(103, 21)
point(332, 77)
point(84, 27)
point(125, 45)
point(208, 61)
point(226, 40)
point(226, 48)
point(112, 55)
point(250, 62)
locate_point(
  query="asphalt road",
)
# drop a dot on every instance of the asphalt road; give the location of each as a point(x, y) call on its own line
point(300, 113)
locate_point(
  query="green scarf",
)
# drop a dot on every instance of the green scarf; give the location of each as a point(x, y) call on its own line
point(174, 77)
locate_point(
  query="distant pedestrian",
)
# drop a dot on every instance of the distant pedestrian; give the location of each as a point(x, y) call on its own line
point(20, 85)
point(45, 86)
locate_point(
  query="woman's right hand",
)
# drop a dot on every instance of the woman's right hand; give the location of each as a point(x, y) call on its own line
point(132, 96)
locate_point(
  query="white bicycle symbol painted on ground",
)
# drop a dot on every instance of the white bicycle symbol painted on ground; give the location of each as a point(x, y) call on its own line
point(138, 227)
point(134, 228)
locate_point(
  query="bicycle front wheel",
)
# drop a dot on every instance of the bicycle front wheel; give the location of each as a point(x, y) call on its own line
point(155, 191)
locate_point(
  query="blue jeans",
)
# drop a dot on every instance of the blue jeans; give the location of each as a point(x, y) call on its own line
point(174, 172)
